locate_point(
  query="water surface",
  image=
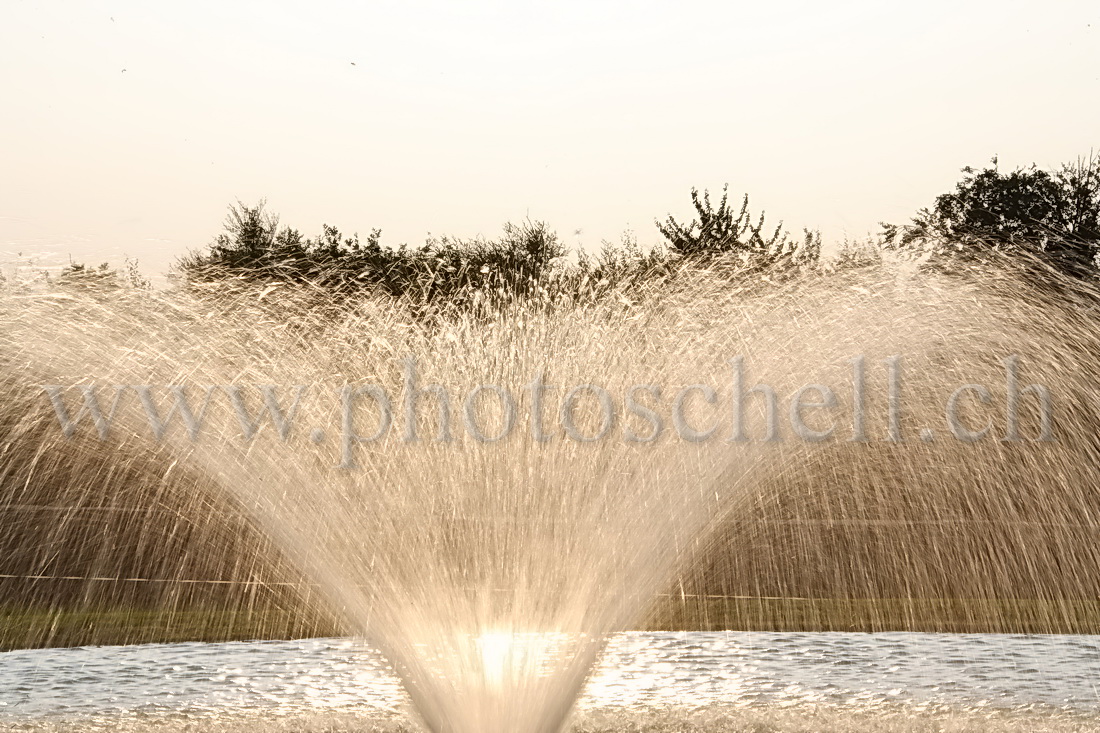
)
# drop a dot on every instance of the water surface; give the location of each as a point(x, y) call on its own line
point(647, 681)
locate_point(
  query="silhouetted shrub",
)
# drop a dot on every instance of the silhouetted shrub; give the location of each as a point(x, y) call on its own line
point(103, 277)
point(254, 248)
point(719, 233)
point(79, 275)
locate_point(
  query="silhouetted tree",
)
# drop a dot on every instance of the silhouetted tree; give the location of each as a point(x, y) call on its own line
point(719, 232)
point(254, 247)
point(1054, 214)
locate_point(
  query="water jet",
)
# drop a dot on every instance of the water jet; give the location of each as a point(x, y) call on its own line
point(491, 568)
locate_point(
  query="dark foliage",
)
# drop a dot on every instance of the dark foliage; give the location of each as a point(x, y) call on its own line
point(721, 233)
point(1051, 214)
point(525, 261)
point(620, 269)
point(103, 277)
point(79, 275)
point(255, 248)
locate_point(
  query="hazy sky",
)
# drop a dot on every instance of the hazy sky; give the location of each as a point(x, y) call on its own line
point(129, 127)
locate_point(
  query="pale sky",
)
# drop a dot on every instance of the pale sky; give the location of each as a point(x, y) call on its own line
point(129, 127)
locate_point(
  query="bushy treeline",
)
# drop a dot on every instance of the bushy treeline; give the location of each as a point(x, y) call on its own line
point(1045, 218)
point(527, 260)
point(254, 248)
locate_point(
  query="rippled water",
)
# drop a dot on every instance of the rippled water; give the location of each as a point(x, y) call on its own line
point(658, 681)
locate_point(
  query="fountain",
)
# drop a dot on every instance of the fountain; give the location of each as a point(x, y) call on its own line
point(487, 496)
